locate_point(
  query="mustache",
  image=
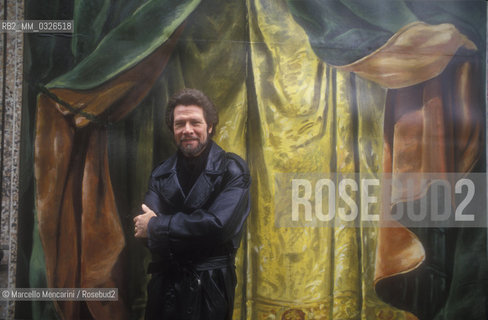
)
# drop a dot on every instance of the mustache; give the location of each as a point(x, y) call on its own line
point(189, 138)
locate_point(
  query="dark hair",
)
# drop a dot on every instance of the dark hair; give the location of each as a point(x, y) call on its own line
point(187, 97)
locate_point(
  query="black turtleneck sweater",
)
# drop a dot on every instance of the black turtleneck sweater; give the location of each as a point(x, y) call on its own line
point(188, 169)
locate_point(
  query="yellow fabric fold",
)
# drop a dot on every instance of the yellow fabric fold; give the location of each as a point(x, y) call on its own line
point(304, 121)
point(416, 53)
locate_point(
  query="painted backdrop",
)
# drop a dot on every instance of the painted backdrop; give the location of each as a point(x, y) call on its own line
point(309, 86)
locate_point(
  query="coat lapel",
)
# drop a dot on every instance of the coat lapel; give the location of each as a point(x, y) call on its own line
point(172, 191)
point(170, 187)
point(199, 193)
point(202, 189)
point(204, 186)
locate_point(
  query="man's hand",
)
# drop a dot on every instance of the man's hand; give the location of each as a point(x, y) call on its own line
point(141, 221)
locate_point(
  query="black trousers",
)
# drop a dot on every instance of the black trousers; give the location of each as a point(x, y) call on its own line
point(203, 291)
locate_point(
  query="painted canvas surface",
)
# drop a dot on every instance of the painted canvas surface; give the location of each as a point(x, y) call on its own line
point(318, 87)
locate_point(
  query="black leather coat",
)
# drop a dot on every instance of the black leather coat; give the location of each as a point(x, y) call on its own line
point(194, 238)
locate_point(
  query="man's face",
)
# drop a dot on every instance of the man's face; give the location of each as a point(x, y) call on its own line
point(190, 129)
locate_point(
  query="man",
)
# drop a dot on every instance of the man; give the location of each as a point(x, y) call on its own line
point(194, 211)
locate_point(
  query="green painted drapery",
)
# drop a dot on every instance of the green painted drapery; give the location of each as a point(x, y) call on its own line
point(78, 222)
point(281, 107)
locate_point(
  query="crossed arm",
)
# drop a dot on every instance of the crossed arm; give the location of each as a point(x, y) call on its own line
point(181, 231)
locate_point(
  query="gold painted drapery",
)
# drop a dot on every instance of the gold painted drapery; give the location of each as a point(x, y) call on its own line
point(281, 108)
point(308, 114)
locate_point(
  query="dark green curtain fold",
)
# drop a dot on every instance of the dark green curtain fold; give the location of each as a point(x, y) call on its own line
point(137, 36)
point(343, 31)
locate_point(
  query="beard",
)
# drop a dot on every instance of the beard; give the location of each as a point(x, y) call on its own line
point(191, 151)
